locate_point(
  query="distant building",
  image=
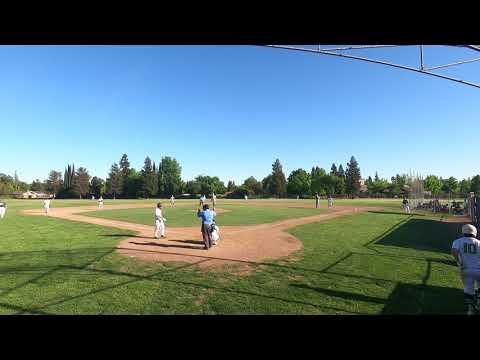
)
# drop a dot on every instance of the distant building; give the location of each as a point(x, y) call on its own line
point(31, 195)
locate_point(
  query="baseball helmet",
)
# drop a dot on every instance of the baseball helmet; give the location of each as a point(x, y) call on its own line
point(469, 229)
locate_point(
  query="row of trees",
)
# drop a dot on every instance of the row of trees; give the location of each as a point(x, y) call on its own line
point(451, 186)
point(300, 182)
point(10, 184)
point(165, 179)
point(152, 180)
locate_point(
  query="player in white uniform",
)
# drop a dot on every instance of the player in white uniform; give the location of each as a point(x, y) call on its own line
point(466, 251)
point(159, 222)
point(214, 201)
point(172, 200)
point(330, 201)
point(100, 202)
point(3, 209)
point(46, 205)
point(406, 205)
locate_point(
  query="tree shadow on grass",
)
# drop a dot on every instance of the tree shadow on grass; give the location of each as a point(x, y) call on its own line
point(424, 299)
point(420, 234)
point(394, 213)
point(406, 299)
point(341, 294)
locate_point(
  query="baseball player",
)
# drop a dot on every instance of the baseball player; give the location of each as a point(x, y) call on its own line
point(317, 200)
point(100, 202)
point(406, 205)
point(46, 205)
point(330, 201)
point(159, 222)
point(172, 200)
point(214, 200)
point(466, 251)
point(3, 209)
point(202, 200)
point(246, 197)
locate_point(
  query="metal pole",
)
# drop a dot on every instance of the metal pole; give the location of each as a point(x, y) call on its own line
point(421, 58)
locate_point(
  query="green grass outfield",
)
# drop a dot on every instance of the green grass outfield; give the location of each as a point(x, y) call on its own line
point(369, 263)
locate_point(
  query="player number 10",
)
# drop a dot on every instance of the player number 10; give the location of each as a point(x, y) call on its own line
point(469, 249)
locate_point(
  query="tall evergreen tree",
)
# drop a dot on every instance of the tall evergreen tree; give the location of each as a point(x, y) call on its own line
point(231, 185)
point(341, 172)
point(278, 184)
point(68, 179)
point(333, 170)
point(155, 179)
point(352, 177)
point(148, 179)
point(376, 176)
point(124, 171)
point(114, 182)
point(369, 181)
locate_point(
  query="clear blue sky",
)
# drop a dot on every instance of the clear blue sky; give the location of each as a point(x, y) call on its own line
point(230, 111)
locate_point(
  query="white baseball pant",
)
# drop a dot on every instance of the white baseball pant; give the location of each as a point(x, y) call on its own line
point(159, 227)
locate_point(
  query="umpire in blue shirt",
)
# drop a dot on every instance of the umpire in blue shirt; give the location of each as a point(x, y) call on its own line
point(207, 217)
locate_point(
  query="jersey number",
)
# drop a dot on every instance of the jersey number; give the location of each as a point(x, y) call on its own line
point(469, 248)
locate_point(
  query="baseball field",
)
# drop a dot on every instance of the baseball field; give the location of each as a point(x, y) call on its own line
point(274, 257)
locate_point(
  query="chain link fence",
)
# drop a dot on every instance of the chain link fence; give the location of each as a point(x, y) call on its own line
point(473, 208)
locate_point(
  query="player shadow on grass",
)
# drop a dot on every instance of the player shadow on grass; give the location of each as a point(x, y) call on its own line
point(152, 243)
point(195, 242)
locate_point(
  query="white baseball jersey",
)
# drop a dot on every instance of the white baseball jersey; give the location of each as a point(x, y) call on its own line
point(158, 214)
point(46, 204)
point(468, 252)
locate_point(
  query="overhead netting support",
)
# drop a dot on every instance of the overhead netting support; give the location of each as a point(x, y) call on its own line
point(416, 192)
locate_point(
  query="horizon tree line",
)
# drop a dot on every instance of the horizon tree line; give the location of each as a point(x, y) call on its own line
point(164, 180)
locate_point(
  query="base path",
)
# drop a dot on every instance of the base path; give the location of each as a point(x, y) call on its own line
point(237, 244)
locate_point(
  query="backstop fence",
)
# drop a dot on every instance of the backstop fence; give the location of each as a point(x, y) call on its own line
point(473, 208)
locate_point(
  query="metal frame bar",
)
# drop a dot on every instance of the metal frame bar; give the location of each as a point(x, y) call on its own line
point(359, 47)
point(332, 53)
point(453, 64)
point(473, 47)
